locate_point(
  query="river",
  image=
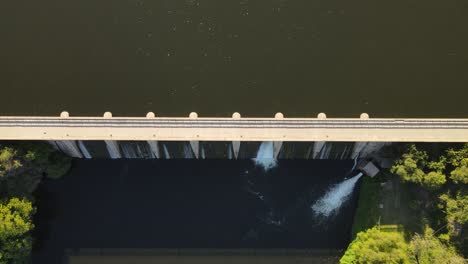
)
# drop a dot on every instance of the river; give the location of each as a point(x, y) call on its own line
point(138, 204)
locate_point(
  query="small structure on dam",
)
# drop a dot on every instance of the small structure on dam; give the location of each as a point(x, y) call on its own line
point(205, 137)
point(370, 169)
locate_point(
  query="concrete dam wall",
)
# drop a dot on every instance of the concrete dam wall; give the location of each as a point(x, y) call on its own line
point(236, 137)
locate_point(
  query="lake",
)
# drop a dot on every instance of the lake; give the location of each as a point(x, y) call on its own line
point(390, 59)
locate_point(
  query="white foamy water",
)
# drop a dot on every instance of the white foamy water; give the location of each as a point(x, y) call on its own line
point(203, 156)
point(229, 153)
point(264, 157)
point(331, 202)
point(188, 153)
point(166, 152)
point(128, 151)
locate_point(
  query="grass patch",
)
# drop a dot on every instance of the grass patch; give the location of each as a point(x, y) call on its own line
point(367, 213)
point(392, 228)
point(411, 213)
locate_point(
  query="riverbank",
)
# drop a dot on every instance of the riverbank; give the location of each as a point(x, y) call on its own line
point(415, 201)
point(367, 211)
point(387, 202)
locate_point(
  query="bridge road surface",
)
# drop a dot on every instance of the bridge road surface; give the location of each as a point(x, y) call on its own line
point(232, 129)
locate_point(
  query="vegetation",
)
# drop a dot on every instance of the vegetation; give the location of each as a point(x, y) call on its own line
point(375, 246)
point(427, 191)
point(456, 210)
point(458, 159)
point(22, 166)
point(367, 212)
point(427, 249)
point(451, 195)
point(15, 228)
point(415, 167)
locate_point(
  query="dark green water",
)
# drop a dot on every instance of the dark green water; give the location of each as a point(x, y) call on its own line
point(301, 57)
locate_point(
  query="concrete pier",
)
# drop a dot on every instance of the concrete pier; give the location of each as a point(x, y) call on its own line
point(373, 147)
point(365, 149)
point(69, 147)
point(195, 147)
point(84, 150)
point(318, 146)
point(154, 147)
point(277, 148)
point(357, 148)
point(277, 144)
point(113, 149)
point(236, 148)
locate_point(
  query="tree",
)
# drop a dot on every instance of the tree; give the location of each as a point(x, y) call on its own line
point(46, 159)
point(414, 166)
point(427, 249)
point(460, 174)
point(8, 161)
point(458, 156)
point(456, 210)
point(15, 227)
point(375, 246)
point(434, 180)
point(459, 160)
point(22, 166)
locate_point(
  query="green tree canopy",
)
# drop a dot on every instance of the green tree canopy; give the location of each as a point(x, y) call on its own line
point(8, 160)
point(414, 166)
point(377, 247)
point(458, 158)
point(15, 227)
point(456, 209)
point(22, 166)
point(427, 249)
point(460, 174)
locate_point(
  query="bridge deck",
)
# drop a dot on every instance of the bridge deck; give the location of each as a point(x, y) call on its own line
point(229, 129)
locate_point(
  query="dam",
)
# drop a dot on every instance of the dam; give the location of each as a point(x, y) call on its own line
point(366, 135)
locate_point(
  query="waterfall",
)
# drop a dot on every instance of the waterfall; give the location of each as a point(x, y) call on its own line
point(345, 152)
point(113, 149)
point(309, 152)
point(166, 152)
point(203, 156)
point(136, 150)
point(140, 152)
point(188, 154)
point(332, 200)
point(326, 150)
point(154, 149)
point(355, 163)
point(127, 151)
point(265, 157)
point(229, 152)
point(84, 150)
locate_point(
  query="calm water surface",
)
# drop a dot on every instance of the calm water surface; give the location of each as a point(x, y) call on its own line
point(137, 204)
point(301, 57)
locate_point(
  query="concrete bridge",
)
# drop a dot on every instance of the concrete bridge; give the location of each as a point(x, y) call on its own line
point(65, 130)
